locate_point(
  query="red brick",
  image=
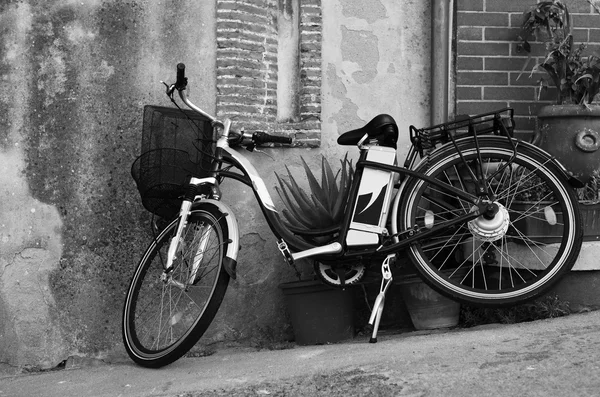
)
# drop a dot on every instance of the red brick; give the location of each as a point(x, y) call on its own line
point(311, 19)
point(516, 20)
point(250, 91)
point(501, 34)
point(509, 93)
point(482, 19)
point(586, 21)
point(469, 63)
point(470, 33)
point(469, 5)
point(582, 35)
point(469, 93)
point(594, 35)
point(579, 7)
point(248, 63)
point(230, 107)
point(311, 2)
point(509, 63)
point(508, 5)
point(482, 78)
point(482, 48)
point(226, 10)
point(245, 17)
point(228, 42)
point(479, 107)
point(241, 82)
point(591, 49)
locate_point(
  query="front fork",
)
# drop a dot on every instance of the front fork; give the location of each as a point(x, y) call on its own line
point(184, 213)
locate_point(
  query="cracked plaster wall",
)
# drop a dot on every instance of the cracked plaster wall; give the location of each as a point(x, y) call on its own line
point(376, 60)
point(74, 76)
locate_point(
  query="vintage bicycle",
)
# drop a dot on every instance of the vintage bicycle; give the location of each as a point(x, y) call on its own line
point(461, 207)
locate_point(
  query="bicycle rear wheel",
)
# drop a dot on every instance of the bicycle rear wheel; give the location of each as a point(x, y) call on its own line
point(165, 314)
point(529, 244)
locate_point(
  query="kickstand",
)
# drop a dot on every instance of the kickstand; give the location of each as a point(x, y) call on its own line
point(386, 281)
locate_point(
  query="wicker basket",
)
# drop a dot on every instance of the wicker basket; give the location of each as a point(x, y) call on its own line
point(176, 145)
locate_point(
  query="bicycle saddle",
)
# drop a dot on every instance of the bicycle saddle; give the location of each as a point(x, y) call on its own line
point(383, 128)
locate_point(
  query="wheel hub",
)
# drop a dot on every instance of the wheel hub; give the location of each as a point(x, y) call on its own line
point(490, 228)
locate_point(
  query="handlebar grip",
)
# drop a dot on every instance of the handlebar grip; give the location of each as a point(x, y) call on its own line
point(262, 137)
point(280, 139)
point(181, 79)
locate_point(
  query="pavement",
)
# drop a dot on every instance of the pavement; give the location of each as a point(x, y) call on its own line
point(556, 357)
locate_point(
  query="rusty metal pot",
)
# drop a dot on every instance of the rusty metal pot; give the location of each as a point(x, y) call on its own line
point(571, 133)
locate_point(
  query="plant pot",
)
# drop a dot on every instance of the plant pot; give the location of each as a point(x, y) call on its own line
point(427, 308)
point(319, 313)
point(571, 133)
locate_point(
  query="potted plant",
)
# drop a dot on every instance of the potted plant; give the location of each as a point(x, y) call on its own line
point(326, 204)
point(567, 129)
point(319, 313)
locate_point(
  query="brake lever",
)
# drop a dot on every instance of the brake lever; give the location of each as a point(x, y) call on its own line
point(170, 89)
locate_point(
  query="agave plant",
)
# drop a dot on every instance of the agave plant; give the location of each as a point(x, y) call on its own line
point(325, 205)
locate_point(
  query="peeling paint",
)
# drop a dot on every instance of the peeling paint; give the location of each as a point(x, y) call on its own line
point(384, 64)
point(370, 11)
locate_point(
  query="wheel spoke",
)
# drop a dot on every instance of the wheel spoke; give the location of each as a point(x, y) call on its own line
point(506, 258)
point(165, 309)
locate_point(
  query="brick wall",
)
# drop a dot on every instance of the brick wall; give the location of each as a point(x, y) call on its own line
point(488, 63)
point(247, 71)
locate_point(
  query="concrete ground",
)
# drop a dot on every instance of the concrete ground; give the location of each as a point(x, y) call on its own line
point(558, 357)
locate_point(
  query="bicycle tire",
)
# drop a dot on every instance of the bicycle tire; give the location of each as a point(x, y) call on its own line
point(163, 319)
point(462, 263)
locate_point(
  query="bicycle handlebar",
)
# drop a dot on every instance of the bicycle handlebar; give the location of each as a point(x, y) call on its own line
point(257, 137)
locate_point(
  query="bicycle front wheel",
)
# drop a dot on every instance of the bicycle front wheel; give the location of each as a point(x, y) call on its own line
point(165, 314)
point(519, 253)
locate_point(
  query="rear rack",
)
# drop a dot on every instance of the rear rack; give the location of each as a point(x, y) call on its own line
point(426, 140)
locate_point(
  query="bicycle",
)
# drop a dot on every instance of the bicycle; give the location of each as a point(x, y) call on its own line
point(454, 212)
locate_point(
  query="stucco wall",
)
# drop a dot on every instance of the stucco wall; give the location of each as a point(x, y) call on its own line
point(74, 78)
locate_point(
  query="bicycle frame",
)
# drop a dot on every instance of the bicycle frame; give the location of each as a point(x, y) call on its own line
point(294, 247)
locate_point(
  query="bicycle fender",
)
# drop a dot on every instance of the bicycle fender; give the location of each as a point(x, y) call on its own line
point(574, 182)
point(233, 246)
